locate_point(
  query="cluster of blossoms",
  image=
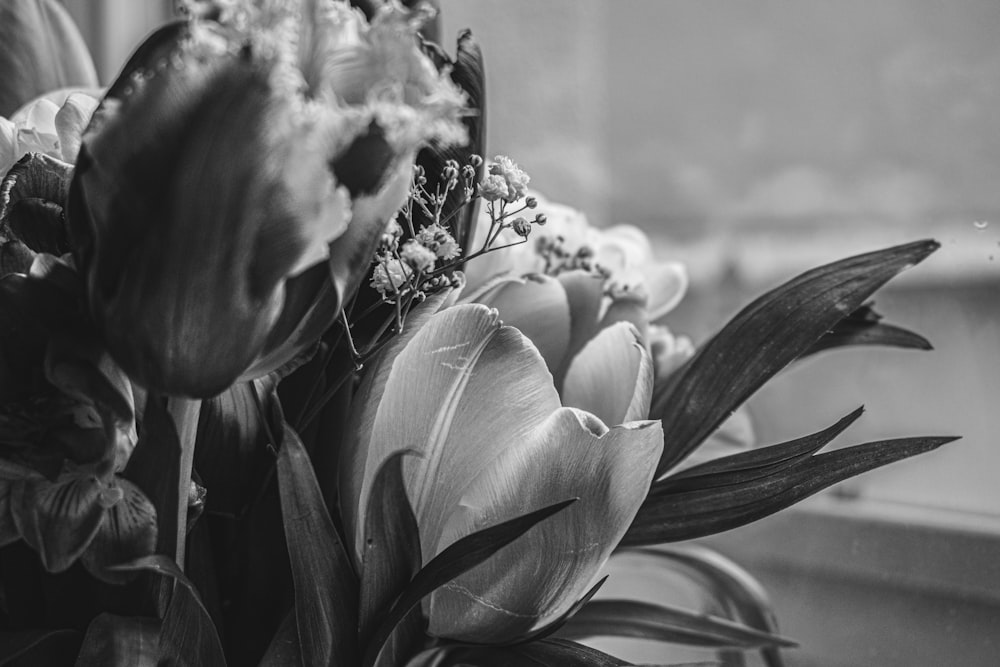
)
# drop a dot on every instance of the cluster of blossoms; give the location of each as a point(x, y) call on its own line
point(425, 262)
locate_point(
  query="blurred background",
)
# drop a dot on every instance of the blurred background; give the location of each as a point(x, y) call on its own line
point(754, 140)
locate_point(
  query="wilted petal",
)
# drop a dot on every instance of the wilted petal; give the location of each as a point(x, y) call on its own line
point(537, 306)
point(534, 579)
point(463, 390)
point(59, 519)
point(611, 377)
point(127, 532)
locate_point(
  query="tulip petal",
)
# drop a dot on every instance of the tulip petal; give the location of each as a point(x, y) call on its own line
point(611, 377)
point(463, 390)
point(584, 291)
point(356, 452)
point(537, 306)
point(666, 283)
point(543, 573)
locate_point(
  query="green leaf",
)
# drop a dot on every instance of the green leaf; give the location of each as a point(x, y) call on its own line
point(232, 457)
point(670, 517)
point(644, 620)
point(752, 464)
point(457, 559)
point(38, 647)
point(120, 641)
point(284, 650)
point(730, 588)
point(188, 633)
point(765, 337)
point(154, 467)
point(545, 653)
point(864, 327)
point(391, 554)
point(326, 589)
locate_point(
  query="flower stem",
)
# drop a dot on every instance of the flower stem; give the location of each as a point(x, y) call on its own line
point(185, 413)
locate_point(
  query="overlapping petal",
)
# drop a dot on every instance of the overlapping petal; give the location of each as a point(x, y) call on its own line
point(463, 390)
point(533, 580)
point(473, 401)
point(536, 305)
point(611, 377)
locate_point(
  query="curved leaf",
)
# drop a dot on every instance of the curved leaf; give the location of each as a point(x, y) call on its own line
point(765, 337)
point(732, 588)
point(644, 620)
point(391, 554)
point(545, 653)
point(458, 558)
point(863, 327)
point(326, 589)
point(752, 464)
point(670, 517)
point(187, 634)
point(284, 650)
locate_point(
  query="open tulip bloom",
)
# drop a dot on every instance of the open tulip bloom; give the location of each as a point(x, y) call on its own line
point(252, 411)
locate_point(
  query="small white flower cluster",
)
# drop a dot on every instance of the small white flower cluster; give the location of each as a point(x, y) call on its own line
point(411, 266)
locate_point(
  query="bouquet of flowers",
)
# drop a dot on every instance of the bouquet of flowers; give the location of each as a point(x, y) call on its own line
point(290, 374)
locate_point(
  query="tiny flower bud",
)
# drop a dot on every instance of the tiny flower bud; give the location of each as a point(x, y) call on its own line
point(476, 161)
point(540, 219)
point(521, 227)
point(418, 256)
point(531, 202)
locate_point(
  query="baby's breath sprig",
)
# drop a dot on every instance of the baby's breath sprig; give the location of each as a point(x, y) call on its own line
point(412, 263)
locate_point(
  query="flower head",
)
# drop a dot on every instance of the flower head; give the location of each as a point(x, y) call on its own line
point(474, 400)
point(218, 177)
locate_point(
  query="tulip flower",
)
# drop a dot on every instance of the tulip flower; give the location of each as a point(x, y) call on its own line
point(475, 403)
point(567, 241)
point(229, 164)
point(40, 50)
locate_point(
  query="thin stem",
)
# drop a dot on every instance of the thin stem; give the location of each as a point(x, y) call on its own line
point(185, 413)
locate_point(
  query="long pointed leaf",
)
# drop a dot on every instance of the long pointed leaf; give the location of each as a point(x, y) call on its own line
point(765, 337)
point(284, 650)
point(545, 653)
point(644, 620)
point(457, 559)
point(691, 514)
point(326, 589)
point(188, 633)
point(729, 586)
point(864, 327)
point(756, 463)
point(391, 556)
